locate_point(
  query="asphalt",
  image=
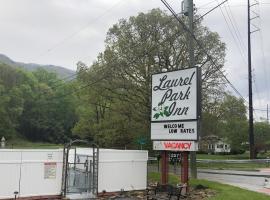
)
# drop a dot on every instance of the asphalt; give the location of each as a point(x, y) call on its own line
point(258, 181)
point(237, 173)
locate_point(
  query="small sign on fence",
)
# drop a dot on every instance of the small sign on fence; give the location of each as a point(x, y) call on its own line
point(50, 170)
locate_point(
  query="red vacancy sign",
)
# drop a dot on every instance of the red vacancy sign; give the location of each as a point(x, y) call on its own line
point(175, 145)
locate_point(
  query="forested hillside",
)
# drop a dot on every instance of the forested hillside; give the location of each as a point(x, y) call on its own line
point(60, 71)
point(30, 106)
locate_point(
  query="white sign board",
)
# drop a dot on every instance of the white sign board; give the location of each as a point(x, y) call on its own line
point(174, 95)
point(50, 170)
point(175, 145)
point(174, 111)
point(174, 130)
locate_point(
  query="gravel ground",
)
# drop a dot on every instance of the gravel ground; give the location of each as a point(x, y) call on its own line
point(193, 194)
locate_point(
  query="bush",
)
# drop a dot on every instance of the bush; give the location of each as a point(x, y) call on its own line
point(235, 151)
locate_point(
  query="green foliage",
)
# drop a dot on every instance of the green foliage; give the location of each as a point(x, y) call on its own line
point(154, 177)
point(11, 101)
point(226, 118)
point(48, 115)
point(233, 121)
point(261, 136)
point(30, 107)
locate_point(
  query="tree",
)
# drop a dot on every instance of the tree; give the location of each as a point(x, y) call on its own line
point(261, 136)
point(233, 124)
point(135, 49)
point(11, 101)
point(49, 113)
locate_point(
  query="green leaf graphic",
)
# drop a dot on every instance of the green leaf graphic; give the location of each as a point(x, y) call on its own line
point(166, 113)
point(156, 116)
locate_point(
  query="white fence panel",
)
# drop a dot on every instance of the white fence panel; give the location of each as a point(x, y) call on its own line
point(120, 169)
point(30, 172)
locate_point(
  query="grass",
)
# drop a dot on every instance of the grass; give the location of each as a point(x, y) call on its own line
point(223, 166)
point(24, 144)
point(223, 157)
point(231, 157)
point(233, 166)
point(223, 191)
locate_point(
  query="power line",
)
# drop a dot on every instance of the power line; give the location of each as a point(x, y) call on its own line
point(211, 10)
point(206, 4)
point(237, 39)
point(264, 110)
point(72, 77)
point(176, 34)
point(256, 88)
point(211, 59)
point(82, 28)
point(231, 31)
point(235, 33)
point(236, 27)
point(263, 55)
point(257, 15)
point(238, 5)
point(77, 90)
point(201, 46)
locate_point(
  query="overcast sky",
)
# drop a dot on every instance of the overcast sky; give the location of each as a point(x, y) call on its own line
point(63, 32)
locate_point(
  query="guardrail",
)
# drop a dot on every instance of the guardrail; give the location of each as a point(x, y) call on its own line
point(266, 161)
point(152, 158)
point(234, 161)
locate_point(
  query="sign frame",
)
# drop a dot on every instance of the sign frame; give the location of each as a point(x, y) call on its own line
point(198, 103)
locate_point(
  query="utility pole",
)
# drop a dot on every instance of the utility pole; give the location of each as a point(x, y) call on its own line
point(190, 25)
point(190, 9)
point(251, 128)
point(193, 165)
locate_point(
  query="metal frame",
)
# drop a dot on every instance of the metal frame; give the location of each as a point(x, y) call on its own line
point(67, 147)
point(198, 101)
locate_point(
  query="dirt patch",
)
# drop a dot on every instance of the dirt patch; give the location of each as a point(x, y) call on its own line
point(195, 193)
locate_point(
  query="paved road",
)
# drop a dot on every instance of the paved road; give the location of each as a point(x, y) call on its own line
point(254, 181)
point(240, 179)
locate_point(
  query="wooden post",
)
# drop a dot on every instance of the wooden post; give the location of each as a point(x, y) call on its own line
point(164, 168)
point(184, 168)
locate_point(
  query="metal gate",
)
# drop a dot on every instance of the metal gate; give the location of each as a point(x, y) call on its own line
point(80, 172)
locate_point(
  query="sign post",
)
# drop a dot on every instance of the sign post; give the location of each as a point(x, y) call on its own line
point(175, 116)
point(184, 168)
point(164, 167)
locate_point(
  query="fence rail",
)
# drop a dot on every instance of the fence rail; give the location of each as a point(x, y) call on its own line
point(261, 161)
